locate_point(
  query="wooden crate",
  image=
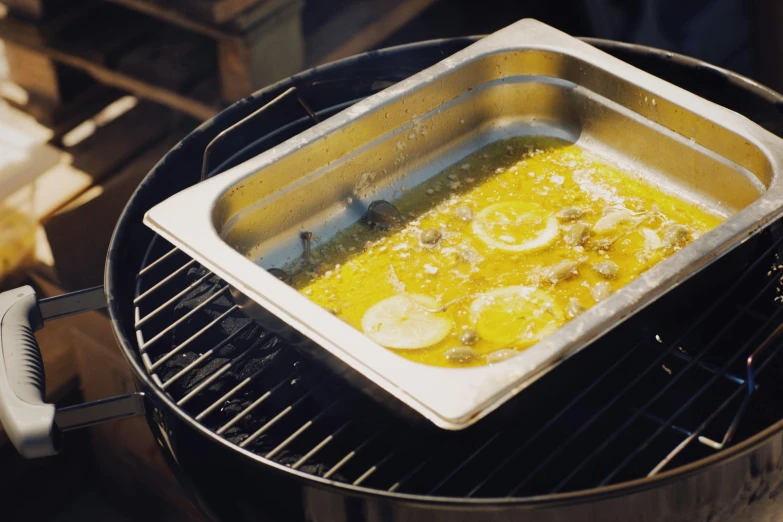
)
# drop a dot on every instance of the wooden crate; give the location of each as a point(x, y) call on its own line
point(270, 51)
point(342, 28)
point(217, 18)
point(116, 158)
point(52, 93)
point(171, 58)
point(101, 34)
point(261, 43)
point(256, 42)
point(48, 40)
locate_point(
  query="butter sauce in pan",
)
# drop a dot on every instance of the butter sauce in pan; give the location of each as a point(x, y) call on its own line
point(496, 252)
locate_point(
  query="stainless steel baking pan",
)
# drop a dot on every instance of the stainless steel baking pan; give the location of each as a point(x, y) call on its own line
point(525, 79)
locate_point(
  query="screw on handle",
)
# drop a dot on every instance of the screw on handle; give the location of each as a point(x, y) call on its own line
point(27, 419)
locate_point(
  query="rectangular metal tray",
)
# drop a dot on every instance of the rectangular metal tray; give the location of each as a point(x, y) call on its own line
point(525, 79)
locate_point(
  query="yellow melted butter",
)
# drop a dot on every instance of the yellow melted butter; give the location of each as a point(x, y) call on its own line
point(362, 266)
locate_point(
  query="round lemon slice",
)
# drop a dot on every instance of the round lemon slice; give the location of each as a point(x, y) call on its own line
point(518, 315)
point(403, 322)
point(515, 226)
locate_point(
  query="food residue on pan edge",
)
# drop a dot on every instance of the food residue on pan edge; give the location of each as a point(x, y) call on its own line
point(496, 252)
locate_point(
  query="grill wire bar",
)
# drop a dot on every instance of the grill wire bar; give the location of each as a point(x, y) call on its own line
point(541, 430)
point(242, 414)
point(351, 454)
point(285, 411)
point(207, 355)
point(611, 437)
point(671, 419)
point(205, 171)
point(155, 263)
point(280, 447)
point(141, 322)
point(162, 283)
point(223, 399)
point(339, 433)
point(633, 417)
point(184, 318)
point(318, 447)
point(753, 367)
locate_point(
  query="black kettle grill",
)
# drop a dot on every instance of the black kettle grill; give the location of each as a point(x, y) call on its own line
point(675, 416)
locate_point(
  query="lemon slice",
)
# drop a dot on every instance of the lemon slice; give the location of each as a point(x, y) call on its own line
point(518, 315)
point(515, 226)
point(402, 322)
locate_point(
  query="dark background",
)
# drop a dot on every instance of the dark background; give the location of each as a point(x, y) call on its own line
point(741, 35)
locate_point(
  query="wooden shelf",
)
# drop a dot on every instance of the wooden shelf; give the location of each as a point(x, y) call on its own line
point(222, 28)
point(377, 20)
point(175, 17)
point(259, 41)
point(27, 35)
point(335, 38)
point(270, 47)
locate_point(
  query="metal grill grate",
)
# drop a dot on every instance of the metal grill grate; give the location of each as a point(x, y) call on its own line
point(644, 400)
point(668, 387)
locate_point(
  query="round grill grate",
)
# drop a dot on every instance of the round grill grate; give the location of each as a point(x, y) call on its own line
point(661, 391)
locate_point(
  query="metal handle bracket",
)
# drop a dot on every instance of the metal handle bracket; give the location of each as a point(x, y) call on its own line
point(96, 412)
point(33, 425)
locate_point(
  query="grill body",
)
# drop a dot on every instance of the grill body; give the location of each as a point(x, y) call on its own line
point(232, 486)
point(741, 483)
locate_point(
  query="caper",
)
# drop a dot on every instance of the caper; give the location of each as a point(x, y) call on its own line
point(570, 214)
point(468, 254)
point(573, 308)
point(675, 236)
point(430, 236)
point(601, 291)
point(577, 233)
point(501, 355)
point(382, 214)
point(606, 269)
point(561, 271)
point(464, 213)
point(280, 274)
point(469, 337)
point(460, 353)
point(601, 245)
